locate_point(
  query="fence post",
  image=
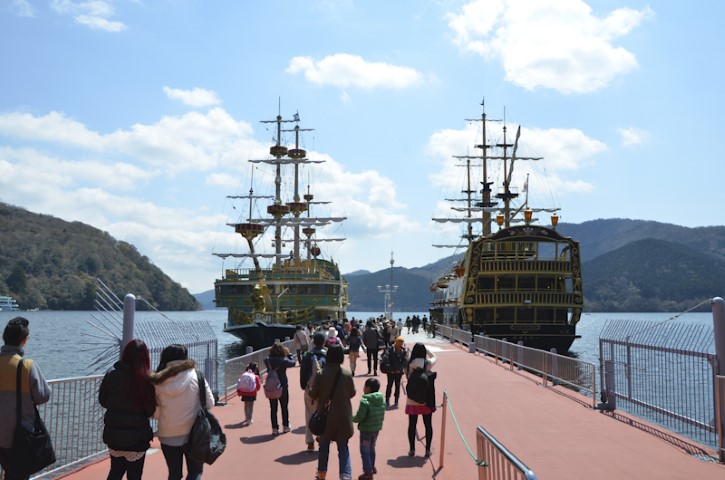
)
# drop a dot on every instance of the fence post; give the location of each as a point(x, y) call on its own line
point(443, 429)
point(554, 367)
point(520, 351)
point(129, 310)
point(718, 319)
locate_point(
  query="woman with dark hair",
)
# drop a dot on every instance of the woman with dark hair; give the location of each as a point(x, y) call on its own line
point(280, 359)
point(177, 404)
point(128, 398)
point(339, 427)
point(421, 387)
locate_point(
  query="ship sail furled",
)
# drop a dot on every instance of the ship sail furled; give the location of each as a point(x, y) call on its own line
point(521, 283)
point(266, 303)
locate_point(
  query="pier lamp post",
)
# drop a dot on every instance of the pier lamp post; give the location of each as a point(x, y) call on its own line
point(388, 291)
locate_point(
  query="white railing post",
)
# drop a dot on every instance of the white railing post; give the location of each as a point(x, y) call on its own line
point(129, 311)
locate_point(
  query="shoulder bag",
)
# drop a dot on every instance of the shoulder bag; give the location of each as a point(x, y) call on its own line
point(207, 440)
point(31, 451)
point(318, 419)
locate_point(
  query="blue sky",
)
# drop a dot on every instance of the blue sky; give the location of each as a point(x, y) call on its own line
point(138, 116)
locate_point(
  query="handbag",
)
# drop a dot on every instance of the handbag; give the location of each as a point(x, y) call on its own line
point(207, 440)
point(318, 419)
point(31, 451)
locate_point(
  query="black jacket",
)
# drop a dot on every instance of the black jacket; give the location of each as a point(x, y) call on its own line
point(126, 423)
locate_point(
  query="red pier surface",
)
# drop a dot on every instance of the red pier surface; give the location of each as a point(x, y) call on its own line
point(555, 433)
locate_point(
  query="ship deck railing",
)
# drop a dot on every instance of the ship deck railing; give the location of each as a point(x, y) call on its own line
point(553, 368)
point(526, 298)
point(526, 266)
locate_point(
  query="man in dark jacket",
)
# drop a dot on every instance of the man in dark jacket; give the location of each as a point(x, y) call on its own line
point(372, 338)
point(34, 390)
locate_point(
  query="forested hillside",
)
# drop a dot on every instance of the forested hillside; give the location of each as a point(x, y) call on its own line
point(48, 263)
point(652, 275)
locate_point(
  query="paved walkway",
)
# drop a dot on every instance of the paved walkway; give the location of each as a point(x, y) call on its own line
point(555, 435)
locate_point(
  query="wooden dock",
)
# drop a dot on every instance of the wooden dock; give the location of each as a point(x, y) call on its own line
point(554, 432)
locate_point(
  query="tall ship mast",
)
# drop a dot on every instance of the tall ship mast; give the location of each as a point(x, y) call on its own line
point(266, 303)
point(521, 282)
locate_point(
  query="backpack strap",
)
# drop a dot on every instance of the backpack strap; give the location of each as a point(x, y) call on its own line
point(18, 403)
point(202, 387)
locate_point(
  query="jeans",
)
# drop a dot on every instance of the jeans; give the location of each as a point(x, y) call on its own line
point(343, 456)
point(393, 378)
point(372, 357)
point(174, 457)
point(119, 466)
point(367, 450)
point(282, 401)
point(412, 423)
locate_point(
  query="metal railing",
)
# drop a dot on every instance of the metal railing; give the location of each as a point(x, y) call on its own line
point(553, 368)
point(234, 367)
point(665, 374)
point(501, 464)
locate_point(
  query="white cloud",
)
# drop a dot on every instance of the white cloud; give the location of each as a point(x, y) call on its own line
point(193, 141)
point(345, 71)
point(633, 136)
point(562, 150)
point(22, 8)
point(557, 44)
point(198, 97)
point(161, 186)
point(91, 13)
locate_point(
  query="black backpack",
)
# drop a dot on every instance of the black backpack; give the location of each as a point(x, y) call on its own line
point(418, 386)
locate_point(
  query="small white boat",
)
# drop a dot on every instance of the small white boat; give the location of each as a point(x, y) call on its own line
point(8, 304)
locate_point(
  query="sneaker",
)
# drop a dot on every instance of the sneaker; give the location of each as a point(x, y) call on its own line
point(375, 471)
point(287, 429)
point(275, 431)
point(427, 453)
point(311, 447)
point(250, 421)
point(411, 453)
point(321, 476)
point(365, 476)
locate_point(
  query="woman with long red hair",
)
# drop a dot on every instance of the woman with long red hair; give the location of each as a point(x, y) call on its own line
point(129, 400)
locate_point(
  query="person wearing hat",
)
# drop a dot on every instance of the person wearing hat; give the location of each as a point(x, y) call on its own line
point(394, 361)
point(332, 337)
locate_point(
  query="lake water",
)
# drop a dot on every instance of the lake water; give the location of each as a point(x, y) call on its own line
point(61, 341)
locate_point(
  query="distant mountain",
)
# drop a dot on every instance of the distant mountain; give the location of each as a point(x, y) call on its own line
point(48, 263)
point(598, 237)
point(652, 275)
point(629, 265)
point(412, 294)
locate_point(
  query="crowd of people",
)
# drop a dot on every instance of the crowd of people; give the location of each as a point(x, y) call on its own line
point(132, 394)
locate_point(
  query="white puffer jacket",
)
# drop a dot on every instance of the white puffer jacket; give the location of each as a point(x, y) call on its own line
point(177, 397)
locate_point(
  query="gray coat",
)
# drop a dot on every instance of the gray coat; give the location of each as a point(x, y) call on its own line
point(339, 427)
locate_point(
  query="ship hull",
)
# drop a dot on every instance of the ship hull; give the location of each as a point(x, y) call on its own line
point(521, 285)
point(261, 334)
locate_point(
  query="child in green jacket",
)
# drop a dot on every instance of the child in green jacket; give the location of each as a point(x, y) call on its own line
point(369, 416)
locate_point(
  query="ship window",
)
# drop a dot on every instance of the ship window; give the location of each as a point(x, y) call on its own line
point(545, 283)
point(485, 284)
point(506, 282)
point(527, 283)
point(548, 250)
